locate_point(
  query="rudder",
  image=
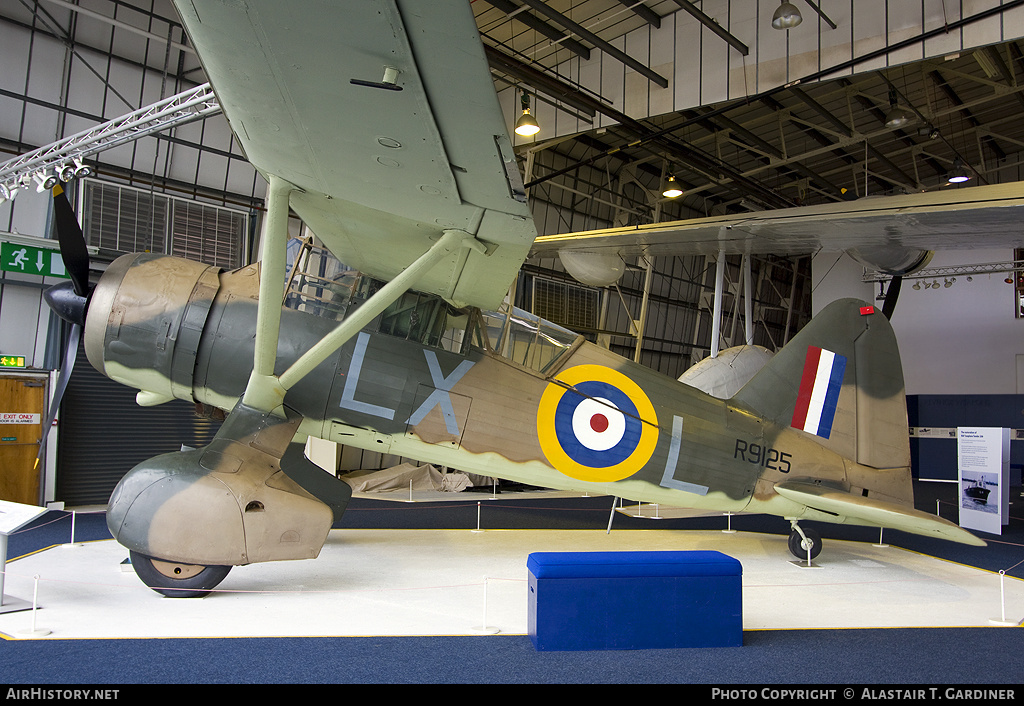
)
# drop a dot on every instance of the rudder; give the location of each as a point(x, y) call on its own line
point(840, 379)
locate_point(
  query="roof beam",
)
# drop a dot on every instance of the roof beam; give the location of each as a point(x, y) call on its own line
point(839, 125)
point(649, 16)
point(822, 15)
point(955, 99)
point(586, 34)
point(535, 23)
point(711, 24)
point(540, 81)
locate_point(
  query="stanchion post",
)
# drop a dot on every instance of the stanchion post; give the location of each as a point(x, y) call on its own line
point(881, 544)
point(74, 515)
point(729, 529)
point(1002, 604)
point(477, 518)
point(34, 632)
point(483, 628)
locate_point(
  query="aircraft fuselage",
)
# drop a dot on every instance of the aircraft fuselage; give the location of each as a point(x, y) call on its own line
point(583, 418)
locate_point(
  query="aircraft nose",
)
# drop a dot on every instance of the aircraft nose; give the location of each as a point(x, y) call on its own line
point(67, 303)
point(145, 318)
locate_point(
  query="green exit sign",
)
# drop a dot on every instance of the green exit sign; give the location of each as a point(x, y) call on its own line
point(31, 261)
point(12, 361)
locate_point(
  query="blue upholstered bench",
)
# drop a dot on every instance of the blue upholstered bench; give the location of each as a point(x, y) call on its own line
point(634, 600)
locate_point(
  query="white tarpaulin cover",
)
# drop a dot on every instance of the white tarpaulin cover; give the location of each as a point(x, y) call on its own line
point(424, 477)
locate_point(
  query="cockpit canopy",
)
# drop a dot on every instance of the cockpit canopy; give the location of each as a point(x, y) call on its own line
point(318, 284)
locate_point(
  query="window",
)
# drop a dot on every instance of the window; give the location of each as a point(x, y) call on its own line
point(524, 338)
point(571, 305)
point(124, 219)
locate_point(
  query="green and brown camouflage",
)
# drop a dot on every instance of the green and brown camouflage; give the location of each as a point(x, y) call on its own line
point(498, 394)
point(413, 180)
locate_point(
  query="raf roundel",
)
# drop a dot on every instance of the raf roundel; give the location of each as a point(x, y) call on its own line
point(595, 424)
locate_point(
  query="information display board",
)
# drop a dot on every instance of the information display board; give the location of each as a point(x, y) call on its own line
point(983, 463)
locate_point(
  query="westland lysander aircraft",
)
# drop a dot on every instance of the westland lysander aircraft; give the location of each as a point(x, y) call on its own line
point(377, 123)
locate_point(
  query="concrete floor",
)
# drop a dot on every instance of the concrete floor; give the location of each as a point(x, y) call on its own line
point(463, 582)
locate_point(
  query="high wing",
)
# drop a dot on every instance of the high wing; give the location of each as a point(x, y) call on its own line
point(384, 116)
point(892, 233)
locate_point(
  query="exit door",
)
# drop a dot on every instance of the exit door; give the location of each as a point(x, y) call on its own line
point(22, 412)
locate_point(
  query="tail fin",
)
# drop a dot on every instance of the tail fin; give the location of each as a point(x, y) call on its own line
point(841, 379)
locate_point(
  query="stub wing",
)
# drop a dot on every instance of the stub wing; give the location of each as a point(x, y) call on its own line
point(874, 512)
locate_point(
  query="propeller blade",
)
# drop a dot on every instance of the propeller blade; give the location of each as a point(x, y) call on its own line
point(62, 383)
point(891, 295)
point(72, 243)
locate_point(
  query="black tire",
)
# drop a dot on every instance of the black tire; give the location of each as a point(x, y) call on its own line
point(796, 543)
point(175, 579)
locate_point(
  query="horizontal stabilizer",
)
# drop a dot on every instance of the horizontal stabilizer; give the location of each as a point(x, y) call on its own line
point(874, 512)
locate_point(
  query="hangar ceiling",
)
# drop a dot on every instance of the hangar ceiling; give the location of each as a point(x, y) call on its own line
point(819, 141)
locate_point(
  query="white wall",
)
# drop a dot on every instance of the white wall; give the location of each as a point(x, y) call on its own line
point(963, 339)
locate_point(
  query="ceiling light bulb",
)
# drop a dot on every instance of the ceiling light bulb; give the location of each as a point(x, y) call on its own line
point(671, 189)
point(958, 175)
point(527, 124)
point(897, 116)
point(786, 16)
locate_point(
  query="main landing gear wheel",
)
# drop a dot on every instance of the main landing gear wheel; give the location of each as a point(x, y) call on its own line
point(177, 580)
point(798, 545)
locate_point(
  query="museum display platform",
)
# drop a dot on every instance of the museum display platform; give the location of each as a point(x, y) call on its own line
point(409, 582)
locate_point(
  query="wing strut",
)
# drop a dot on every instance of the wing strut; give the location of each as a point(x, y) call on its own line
point(716, 316)
point(451, 241)
point(265, 391)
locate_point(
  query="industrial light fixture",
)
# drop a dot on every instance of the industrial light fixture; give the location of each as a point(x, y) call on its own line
point(897, 116)
point(527, 124)
point(66, 172)
point(7, 193)
point(44, 181)
point(917, 286)
point(786, 16)
point(958, 175)
point(81, 169)
point(671, 189)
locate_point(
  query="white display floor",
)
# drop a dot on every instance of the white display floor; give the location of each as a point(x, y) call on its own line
point(430, 582)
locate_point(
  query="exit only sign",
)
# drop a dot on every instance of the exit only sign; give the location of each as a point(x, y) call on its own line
point(31, 260)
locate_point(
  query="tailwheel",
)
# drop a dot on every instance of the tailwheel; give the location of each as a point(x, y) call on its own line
point(177, 580)
point(800, 539)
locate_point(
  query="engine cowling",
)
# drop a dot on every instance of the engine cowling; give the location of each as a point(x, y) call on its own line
point(145, 322)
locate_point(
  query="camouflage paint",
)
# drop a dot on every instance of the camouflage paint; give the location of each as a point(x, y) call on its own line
point(649, 438)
